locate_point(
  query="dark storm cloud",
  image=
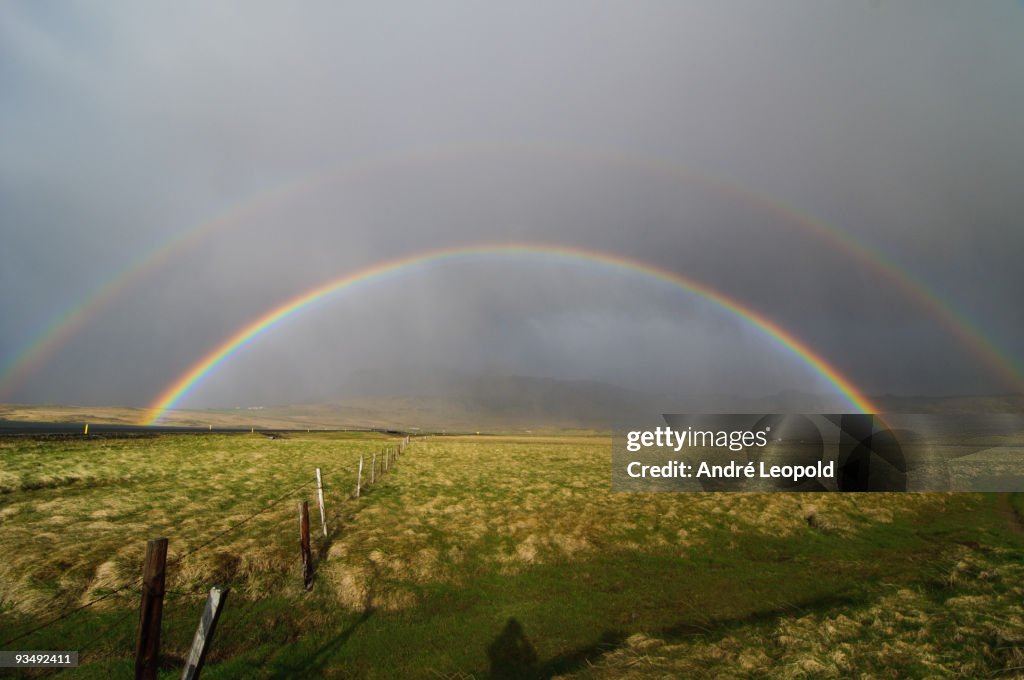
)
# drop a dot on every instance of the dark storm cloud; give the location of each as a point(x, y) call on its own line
point(448, 124)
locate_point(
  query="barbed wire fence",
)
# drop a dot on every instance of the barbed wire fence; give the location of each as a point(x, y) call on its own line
point(382, 462)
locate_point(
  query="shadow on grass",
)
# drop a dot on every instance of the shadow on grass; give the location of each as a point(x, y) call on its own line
point(512, 657)
point(316, 662)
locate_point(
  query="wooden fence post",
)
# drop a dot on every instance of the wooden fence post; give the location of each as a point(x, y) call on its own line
point(320, 498)
point(307, 554)
point(147, 646)
point(359, 476)
point(373, 469)
point(204, 634)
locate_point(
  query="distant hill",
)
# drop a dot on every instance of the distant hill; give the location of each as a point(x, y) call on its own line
point(458, 401)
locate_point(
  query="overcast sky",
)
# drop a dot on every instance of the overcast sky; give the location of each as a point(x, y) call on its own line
point(123, 125)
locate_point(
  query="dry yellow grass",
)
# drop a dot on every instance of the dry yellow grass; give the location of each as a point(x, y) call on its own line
point(507, 504)
point(75, 515)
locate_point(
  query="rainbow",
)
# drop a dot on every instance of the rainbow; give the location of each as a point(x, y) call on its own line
point(69, 321)
point(184, 384)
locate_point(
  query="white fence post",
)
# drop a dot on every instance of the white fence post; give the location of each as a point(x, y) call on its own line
point(320, 497)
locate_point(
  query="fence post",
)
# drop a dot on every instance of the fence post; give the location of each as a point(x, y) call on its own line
point(204, 633)
point(147, 646)
point(373, 469)
point(320, 497)
point(307, 554)
point(359, 476)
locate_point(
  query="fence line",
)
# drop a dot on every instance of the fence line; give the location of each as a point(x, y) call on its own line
point(174, 562)
point(391, 454)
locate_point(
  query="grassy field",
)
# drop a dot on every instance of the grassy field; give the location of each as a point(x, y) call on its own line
point(497, 557)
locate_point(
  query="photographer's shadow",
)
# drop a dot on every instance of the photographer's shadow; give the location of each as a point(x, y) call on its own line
point(511, 654)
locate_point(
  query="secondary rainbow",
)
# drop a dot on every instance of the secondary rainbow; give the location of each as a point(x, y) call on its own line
point(184, 384)
point(65, 324)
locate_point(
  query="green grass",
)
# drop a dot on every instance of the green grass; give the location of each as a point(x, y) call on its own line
point(499, 557)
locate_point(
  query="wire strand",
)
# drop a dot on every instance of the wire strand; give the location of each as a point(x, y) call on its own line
point(138, 581)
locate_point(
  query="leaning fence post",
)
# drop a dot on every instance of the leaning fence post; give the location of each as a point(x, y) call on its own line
point(204, 633)
point(320, 497)
point(307, 554)
point(147, 646)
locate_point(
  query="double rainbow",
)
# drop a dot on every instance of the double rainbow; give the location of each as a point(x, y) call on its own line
point(65, 324)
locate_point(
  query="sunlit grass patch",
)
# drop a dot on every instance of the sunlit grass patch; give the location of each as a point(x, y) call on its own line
point(472, 544)
point(67, 536)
